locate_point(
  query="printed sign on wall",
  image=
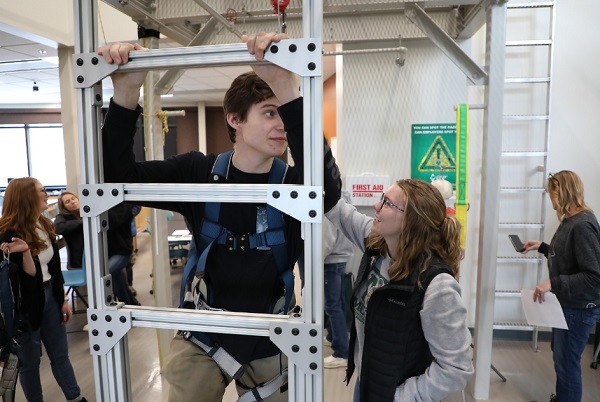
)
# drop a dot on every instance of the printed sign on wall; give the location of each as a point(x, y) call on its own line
point(366, 189)
point(433, 149)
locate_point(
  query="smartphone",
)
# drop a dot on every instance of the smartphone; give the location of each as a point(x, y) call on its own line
point(516, 242)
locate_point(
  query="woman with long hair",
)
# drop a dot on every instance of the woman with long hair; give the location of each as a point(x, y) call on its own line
point(46, 307)
point(574, 277)
point(409, 339)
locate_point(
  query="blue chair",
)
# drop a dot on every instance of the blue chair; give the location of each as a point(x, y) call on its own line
point(74, 278)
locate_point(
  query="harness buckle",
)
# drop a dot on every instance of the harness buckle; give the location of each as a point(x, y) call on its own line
point(237, 242)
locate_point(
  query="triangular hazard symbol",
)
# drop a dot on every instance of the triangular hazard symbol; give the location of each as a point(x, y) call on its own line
point(438, 155)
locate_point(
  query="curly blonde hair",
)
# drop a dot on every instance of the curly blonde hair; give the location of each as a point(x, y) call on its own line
point(428, 232)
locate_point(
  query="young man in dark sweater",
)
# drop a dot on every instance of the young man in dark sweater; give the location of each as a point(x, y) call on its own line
point(264, 116)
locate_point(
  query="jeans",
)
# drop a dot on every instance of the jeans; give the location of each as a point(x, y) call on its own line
point(356, 394)
point(116, 267)
point(337, 331)
point(567, 348)
point(54, 336)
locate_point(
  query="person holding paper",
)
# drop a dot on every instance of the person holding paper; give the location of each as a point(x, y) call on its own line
point(574, 277)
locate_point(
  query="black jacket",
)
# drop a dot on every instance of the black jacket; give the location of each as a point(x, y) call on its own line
point(118, 236)
point(32, 289)
point(70, 228)
point(395, 347)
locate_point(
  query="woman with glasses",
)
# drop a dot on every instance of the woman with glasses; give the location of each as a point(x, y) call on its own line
point(409, 339)
point(574, 277)
point(29, 237)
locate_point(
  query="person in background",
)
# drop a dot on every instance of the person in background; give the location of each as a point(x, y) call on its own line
point(135, 210)
point(409, 319)
point(120, 245)
point(574, 277)
point(30, 237)
point(69, 225)
point(337, 251)
point(120, 249)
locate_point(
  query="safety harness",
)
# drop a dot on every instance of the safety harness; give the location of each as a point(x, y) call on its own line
point(212, 232)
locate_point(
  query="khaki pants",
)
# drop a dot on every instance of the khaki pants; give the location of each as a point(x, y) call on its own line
point(195, 377)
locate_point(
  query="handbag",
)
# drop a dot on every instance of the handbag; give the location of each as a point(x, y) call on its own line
point(11, 327)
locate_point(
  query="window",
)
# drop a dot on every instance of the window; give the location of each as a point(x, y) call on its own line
point(35, 150)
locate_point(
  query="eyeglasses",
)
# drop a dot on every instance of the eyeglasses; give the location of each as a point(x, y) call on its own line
point(43, 190)
point(551, 177)
point(385, 201)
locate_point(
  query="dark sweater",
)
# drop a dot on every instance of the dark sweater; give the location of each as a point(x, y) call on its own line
point(70, 228)
point(574, 261)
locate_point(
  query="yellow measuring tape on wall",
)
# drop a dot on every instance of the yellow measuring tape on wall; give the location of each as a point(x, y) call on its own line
point(462, 177)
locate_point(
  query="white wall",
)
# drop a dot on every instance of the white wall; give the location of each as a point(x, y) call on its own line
point(575, 109)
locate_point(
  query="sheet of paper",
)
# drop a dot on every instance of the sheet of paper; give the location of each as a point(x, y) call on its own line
point(181, 232)
point(546, 314)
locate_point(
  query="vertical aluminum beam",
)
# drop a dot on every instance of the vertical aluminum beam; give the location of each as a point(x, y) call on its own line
point(86, 40)
point(488, 221)
point(309, 386)
point(109, 370)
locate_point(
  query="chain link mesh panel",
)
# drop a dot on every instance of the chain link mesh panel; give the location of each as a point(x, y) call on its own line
point(381, 100)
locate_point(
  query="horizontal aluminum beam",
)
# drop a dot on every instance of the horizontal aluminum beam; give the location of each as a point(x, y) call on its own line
point(289, 332)
point(225, 322)
point(305, 203)
point(302, 56)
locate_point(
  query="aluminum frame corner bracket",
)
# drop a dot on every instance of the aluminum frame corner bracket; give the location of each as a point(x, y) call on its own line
point(305, 203)
point(106, 328)
point(303, 56)
point(301, 342)
point(95, 199)
point(90, 68)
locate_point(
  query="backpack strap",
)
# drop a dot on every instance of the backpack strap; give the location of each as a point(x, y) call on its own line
point(212, 232)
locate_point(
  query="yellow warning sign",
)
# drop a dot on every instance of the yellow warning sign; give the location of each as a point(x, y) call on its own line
point(438, 155)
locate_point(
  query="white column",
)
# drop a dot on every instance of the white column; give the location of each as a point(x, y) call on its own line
point(68, 116)
point(202, 127)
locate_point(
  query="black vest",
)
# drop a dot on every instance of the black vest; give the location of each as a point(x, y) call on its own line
point(395, 347)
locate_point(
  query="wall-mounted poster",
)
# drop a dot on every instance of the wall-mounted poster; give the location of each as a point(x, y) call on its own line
point(433, 151)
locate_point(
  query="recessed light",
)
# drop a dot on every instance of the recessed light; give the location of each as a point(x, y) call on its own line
point(42, 51)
